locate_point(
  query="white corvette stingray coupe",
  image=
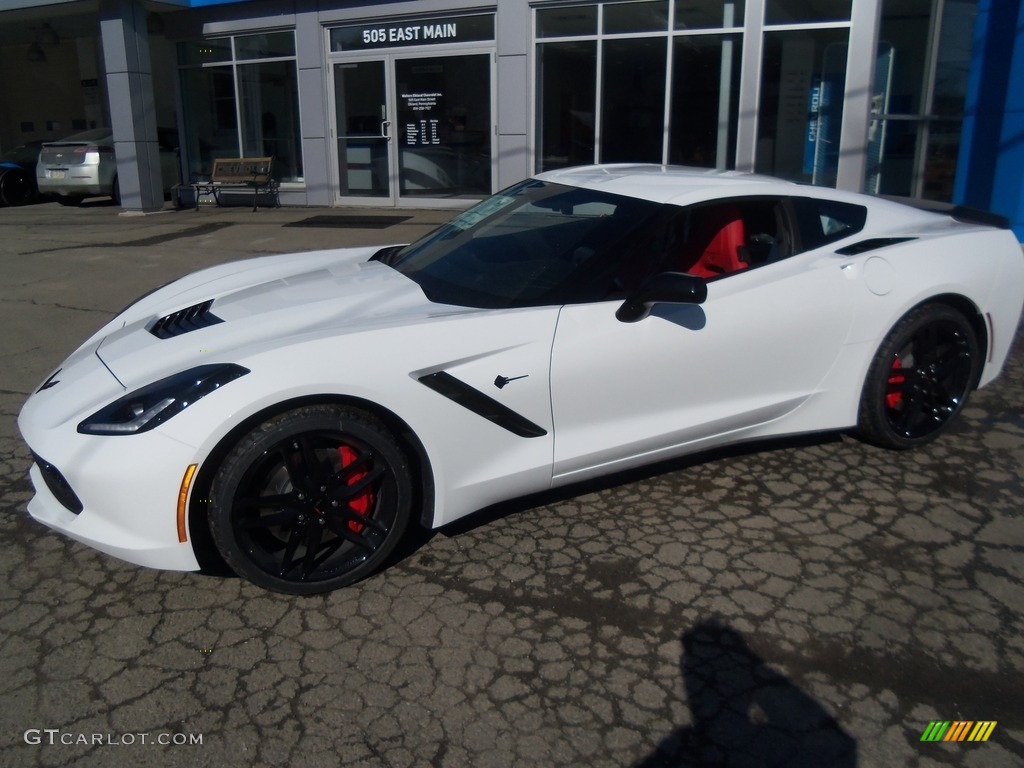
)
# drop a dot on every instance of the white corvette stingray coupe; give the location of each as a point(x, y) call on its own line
point(293, 415)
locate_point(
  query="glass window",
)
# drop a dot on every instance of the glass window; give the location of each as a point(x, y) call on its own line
point(708, 14)
point(914, 136)
point(270, 115)
point(624, 18)
point(806, 11)
point(826, 221)
point(633, 100)
point(271, 45)
point(205, 51)
point(566, 98)
point(800, 118)
point(211, 125)
point(533, 244)
point(565, 22)
point(705, 100)
point(265, 95)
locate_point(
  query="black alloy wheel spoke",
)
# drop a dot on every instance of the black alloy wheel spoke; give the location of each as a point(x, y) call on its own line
point(281, 518)
point(341, 529)
point(909, 417)
point(314, 535)
point(276, 501)
point(347, 492)
point(312, 466)
point(294, 539)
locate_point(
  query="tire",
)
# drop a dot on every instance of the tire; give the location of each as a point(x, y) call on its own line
point(115, 192)
point(15, 188)
point(920, 378)
point(312, 500)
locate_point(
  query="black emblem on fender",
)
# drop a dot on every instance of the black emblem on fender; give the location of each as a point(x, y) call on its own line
point(53, 381)
point(501, 381)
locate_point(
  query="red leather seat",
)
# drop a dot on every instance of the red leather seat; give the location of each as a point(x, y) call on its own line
point(722, 254)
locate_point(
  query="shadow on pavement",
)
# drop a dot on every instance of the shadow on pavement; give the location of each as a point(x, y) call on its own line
point(745, 713)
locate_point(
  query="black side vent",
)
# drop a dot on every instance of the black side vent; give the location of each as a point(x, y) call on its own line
point(872, 245)
point(58, 486)
point(185, 320)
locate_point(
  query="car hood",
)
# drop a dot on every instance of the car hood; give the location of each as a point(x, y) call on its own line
point(228, 312)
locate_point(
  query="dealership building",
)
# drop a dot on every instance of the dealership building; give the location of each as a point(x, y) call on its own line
point(436, 103)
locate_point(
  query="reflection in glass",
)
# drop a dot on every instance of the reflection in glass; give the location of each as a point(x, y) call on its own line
point(564, 22)
point(708, 14)
point(211, 127)
point(361, 115)
point(705, 100)
point(633, 101)
point(269, 45)
point(270, 116)
point(566, 88)
point(624, 18)
point(443, 125)
point(804, 12)
point(801, 107)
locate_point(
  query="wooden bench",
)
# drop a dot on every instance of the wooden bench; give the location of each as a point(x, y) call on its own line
point(238, 173)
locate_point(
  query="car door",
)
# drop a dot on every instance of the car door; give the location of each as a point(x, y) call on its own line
point(694, 375)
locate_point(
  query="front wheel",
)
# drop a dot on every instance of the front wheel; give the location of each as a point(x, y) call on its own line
point(920, 377)
point(311, 500)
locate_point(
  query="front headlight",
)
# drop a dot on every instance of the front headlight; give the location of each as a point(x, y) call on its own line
point(155, 403)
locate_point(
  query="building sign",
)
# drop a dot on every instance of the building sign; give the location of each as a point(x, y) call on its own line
point(451, 29)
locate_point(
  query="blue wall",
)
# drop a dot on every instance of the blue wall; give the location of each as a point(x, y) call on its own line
point(990, 168)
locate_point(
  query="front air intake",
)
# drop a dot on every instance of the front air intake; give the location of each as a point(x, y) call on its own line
point(185, 321)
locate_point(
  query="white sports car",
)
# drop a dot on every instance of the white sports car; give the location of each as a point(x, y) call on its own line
point(294, 414)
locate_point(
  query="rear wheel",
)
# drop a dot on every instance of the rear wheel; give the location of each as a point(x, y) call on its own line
point(15, 188)
point(312, 500)
point(920, 377)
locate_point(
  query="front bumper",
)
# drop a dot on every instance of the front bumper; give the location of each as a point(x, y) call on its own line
point(117, 494)
point(126, 512)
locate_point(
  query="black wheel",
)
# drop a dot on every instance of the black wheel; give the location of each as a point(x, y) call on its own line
point(15, 188)
point(312, 500)
point(115, 193)
point(920, 377)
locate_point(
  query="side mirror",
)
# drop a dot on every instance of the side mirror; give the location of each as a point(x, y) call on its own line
point(664, 288)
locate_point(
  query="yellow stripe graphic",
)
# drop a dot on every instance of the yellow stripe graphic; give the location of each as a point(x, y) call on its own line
point(982, 730)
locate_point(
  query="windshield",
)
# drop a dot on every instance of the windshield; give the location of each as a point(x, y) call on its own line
point(535, 243)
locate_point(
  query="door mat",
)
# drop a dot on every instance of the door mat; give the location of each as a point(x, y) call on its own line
point(350, 221)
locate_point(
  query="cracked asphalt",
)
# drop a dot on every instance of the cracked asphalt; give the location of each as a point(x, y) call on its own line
point(814, 602)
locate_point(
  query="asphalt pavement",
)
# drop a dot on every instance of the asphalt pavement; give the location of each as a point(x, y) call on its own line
point(816, 602)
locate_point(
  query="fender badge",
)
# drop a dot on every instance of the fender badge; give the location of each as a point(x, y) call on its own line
point(53, 381)
point(501, 381)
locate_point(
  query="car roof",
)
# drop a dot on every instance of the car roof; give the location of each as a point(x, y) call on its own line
point(85, 137)
point(669, 184)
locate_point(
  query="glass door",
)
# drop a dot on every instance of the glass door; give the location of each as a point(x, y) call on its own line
point(363, 131)
point(445, 126)
point(414, 129)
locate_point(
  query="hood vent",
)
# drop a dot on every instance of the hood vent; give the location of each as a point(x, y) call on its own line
point(184, 321)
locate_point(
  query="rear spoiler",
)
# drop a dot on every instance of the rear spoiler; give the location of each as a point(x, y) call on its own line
point(963, 213)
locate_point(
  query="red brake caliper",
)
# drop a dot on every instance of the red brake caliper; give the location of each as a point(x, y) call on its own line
point(894, 398)
point(362, 503)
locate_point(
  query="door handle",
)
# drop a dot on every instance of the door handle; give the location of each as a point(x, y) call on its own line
point(384, 132)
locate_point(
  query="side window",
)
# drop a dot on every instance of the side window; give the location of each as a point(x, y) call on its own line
point(825, 221)
point(730, 236)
